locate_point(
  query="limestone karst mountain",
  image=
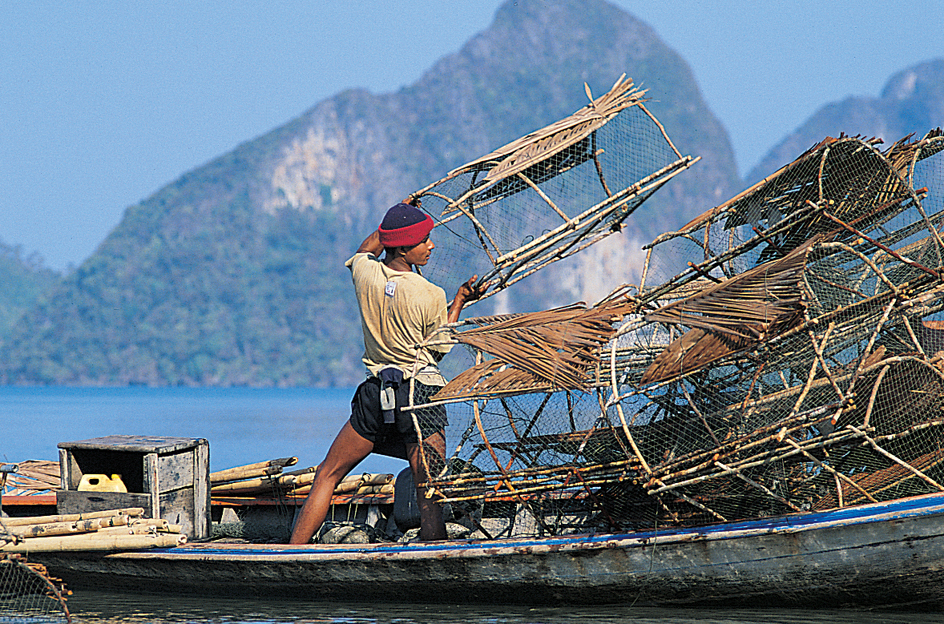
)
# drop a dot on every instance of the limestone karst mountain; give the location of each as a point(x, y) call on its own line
point(233, 274)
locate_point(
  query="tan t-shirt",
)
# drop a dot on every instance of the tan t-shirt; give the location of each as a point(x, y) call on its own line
point(398, 311)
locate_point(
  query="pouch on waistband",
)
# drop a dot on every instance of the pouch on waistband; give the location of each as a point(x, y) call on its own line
point(390, 379)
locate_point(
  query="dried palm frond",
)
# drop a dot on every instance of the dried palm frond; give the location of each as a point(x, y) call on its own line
point(35, 474)
point(540, 145)
point(905, 152)
point(554, 349)
point(732, 315)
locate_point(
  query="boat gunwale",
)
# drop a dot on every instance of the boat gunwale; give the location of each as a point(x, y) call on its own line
point(912, 507)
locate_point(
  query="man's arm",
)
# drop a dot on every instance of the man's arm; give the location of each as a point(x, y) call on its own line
point(372, 244)
point(466, 293)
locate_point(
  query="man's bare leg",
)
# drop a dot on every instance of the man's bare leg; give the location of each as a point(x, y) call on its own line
point(347, 450)
point(432, 526)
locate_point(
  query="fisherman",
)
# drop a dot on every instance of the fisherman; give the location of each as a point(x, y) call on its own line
point(399, 309)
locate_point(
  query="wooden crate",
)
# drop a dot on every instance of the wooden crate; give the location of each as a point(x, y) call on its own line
point(168, 477)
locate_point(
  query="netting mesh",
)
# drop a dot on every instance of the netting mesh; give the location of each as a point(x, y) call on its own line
point(549, 194)
point(783, 353)
point(29, 594)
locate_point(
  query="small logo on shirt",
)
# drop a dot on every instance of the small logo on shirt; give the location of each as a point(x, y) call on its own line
point(390, 288)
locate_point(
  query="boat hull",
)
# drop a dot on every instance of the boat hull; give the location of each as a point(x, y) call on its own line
point(882, 554)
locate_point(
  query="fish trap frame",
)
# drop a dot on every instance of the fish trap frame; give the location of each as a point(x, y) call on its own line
point(550, 194)
point(29, 594)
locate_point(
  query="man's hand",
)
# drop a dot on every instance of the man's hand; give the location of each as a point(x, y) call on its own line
point(469, 291)
point(372, 244)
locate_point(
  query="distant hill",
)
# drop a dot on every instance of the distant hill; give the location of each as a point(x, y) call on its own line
point(233, 274)
point(23, 281)
point(912, 101)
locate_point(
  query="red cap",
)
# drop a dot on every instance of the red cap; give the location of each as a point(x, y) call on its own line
point(404, 226)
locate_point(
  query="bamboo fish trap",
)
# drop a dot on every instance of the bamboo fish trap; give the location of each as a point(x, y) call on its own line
point(551, 193)
point(29, 594)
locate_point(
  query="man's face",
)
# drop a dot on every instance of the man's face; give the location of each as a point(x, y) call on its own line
point(419, 254)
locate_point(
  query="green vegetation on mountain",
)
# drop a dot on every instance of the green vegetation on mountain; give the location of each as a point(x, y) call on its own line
point(24, 280)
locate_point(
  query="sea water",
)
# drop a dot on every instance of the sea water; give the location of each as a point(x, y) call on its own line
point(242, 425)
point(92, 608)
point(245, 426)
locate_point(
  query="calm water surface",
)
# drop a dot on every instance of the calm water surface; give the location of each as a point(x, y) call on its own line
point(248, 425)
point(92, 608)
point(243, 425)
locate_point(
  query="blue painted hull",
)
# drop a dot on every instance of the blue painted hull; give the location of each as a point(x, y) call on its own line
point(875, 555)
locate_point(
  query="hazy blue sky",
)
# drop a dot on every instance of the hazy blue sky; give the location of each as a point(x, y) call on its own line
point(103, 103)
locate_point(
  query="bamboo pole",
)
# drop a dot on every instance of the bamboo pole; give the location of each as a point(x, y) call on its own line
point(366, 490)
point(934, 273)
point(911, 334)
point(347, 488)
point(128, 511)
point(868, 348)
point(755, 484)
point(301, 471)
point(875, 387)
point(265, 484)
point(296, 483)
point(829, 468)
point(622, 416)
point(544, 196)
point(47, 529)
point(94, 542)
point(143, 528)
point(249, 471)
point(811, 377)
point(898, 461)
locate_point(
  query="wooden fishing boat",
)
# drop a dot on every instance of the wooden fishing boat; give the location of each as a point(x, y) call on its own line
point(882, 554)
point(763, 428)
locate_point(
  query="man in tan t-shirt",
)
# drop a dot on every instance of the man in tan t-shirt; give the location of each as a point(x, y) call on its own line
point(399, 310)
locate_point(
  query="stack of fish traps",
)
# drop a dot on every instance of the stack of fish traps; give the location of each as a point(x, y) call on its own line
point(783, 352)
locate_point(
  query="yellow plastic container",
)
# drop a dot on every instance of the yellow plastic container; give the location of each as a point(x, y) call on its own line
point(102, 483)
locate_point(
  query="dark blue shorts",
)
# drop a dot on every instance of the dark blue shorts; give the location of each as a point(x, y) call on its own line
point(391, 439)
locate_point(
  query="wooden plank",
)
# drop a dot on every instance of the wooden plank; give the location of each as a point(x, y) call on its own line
point(138, 444)
point(201, 491)
point(69, 473)
point(177, 507)
point(175, 470)
point(150, 482)
point(29, 500)
point(251, 471)
point(72, 502)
